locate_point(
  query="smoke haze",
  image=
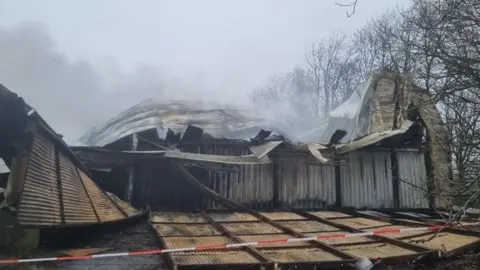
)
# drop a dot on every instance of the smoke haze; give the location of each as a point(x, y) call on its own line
point(80, 63)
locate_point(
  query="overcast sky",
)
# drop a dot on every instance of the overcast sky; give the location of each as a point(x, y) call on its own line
point(72, 56)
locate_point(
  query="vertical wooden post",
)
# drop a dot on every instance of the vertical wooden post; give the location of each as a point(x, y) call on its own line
point(131, 171)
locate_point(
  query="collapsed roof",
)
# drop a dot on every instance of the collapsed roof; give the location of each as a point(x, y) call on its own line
point(368, 111)
point(228, 122)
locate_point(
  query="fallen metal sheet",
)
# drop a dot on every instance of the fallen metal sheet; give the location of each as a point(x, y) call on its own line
point(278, 216)
point(446, 242)
point(99, 158)
point(314, 150)
point(248, 159)
point(175, 232)
point(185, 242)
point(191, 230)
point(372, 138)
point(251, 228)
point(77, 207)
point(214, 257)
point(264, 149)
point(300, 255)
point(176, 217)
point(227, 217)
point(308, 226)
point(104, 207)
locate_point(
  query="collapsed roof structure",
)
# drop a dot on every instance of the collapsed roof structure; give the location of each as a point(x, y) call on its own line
point(387, 114)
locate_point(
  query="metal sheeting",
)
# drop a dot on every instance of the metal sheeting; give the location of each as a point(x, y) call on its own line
point(223, 159)
point(76, 203)
point(252, 186)
point(105, 208)
point(219, 121)
point(40, 201)
point(305, 185)
point(367, 180)
point(282, 255)
point(413, 183)
point(53, 183)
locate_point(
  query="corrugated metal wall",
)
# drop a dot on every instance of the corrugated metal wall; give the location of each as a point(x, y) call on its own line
point(76, 204)
point(367, 180)
point(41, 199)
point(304, 184)
point(252, 186)
point(413, 183)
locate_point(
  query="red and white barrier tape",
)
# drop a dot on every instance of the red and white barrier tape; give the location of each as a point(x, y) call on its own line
point(226, 246)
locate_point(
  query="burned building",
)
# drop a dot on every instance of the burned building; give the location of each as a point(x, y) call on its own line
point(212, 175)
point(384, 147)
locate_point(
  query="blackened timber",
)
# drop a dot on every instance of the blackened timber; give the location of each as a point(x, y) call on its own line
point(205, 190)
point(395, 178)
point(338, 185)
point(234, 237)
point(59, 185)
point(276, 179)
point(393, 241)
point(131, 171)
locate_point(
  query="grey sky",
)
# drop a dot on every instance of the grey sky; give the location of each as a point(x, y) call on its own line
point(189, 49)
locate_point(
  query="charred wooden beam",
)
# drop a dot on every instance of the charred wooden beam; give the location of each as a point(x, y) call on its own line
point(233, 205)
point(59, 186)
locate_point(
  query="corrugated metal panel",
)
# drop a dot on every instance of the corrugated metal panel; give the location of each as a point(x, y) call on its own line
point(76, 204)
point(300, 255)
point(40, 201)
point(214, 257)
point(305, 185)
point(367, 180)
point(172, 229)
point(250, 228)
point(307, 226)
point(106, 210)
point(252, 186)
point(411, 169)
point(376, 250)
point(219, 121)
point(282, 216)
point(177, 217)
point(268, 237)
point(186, 242)
point(126, 207)
point(232, 217)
